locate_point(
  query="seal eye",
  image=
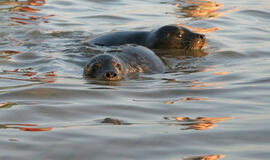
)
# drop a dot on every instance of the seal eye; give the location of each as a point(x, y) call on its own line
point(118, 66)
point(94, 68)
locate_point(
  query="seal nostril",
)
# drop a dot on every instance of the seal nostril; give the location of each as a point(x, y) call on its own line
point(202, 36)
point(110, 75)
point(113, 74)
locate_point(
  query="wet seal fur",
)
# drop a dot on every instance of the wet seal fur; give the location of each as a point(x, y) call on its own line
point(166, 37)
point(118, 64)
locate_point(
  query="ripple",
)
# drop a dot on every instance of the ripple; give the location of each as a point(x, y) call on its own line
point(257, 13)
point(105, 17)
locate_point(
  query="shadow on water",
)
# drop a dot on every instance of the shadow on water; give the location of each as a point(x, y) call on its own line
point(182, 60)
point(178, 54)
point(93, 82)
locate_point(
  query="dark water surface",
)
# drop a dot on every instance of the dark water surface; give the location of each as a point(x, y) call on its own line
point(212, 104)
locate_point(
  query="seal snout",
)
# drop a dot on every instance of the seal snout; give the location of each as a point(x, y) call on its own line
point(202, 36)
point(111, 76)
point(198, 41)
point(105, 67)
point(202, 39)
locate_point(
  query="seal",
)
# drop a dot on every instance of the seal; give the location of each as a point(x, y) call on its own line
point(118, 64)
point(166, 37)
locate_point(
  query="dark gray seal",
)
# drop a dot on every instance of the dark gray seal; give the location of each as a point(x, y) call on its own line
point(118, 64)
point(166, 37)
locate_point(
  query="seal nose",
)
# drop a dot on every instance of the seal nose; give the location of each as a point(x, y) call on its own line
point(110, 76)
point(202, 36)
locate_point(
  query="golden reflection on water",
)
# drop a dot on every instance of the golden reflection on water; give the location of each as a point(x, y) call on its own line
point(25, 127)
point(7, 54)
point(188, 99)
point(198, 85)
point(48, 77)
point(7, 104)
point(28, 2)
point(199, 123)
point(208, 157)
point(201, 9)
point(24, 9)
point(180, 54)
point(201, 30)
point(220, 73)
point(21, 15)
point(20, 7)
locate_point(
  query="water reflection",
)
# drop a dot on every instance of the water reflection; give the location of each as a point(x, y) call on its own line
point(102, 83)
point(208, 157)
point(180, 54)
point(28, 7)
point(182, 60)
point(201, 30)
point(200, 9)
point(199, 85)
point(220, 73)
point(25, 127)
point(28, 2)
point(7, 105)
point(30, 19)
point(113, 121)
point(199, 123)
point(28, 74)
point(188, 99)
point(7, 54)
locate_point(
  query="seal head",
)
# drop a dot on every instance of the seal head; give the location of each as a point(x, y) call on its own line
point(166, 37)
point(105, 67)
point(175, 37)
point(126, 61)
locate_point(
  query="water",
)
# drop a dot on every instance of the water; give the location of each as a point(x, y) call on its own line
point(212, 104)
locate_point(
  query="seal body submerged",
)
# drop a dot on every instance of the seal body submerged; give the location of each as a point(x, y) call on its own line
point(117, 64)
point(166, 37)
